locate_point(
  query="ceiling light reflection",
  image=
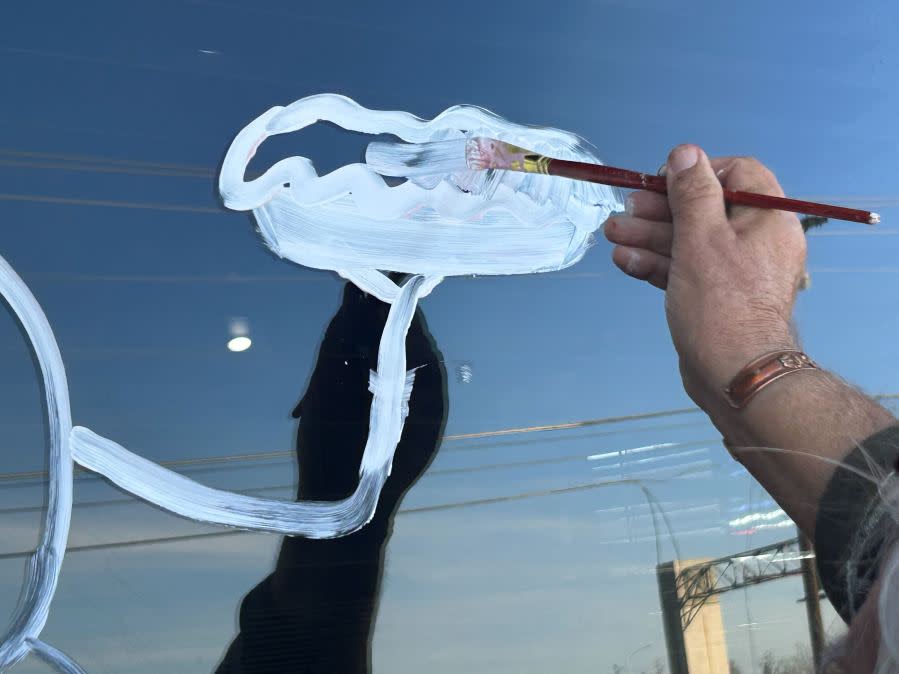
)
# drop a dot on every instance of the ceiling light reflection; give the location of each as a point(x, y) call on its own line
point(238, 344)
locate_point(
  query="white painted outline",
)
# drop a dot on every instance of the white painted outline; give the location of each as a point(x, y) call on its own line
point(30, 614)
point(349, 221)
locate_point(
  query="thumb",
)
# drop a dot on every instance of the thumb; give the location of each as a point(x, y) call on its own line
point(696, 199)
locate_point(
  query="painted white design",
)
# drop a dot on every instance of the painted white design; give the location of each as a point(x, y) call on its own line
point(470, 222)
point(351, 222)
point(30, 614)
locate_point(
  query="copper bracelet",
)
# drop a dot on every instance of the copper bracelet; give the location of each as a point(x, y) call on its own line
point(762, 371)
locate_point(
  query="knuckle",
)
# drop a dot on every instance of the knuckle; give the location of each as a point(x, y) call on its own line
point(751, 175)
point(746, 162)
point(792, 228)
point(748, 165)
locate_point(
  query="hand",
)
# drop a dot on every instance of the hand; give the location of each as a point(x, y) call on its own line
point(730, 275)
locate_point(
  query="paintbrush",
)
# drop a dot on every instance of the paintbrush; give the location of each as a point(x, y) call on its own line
point(448, 156)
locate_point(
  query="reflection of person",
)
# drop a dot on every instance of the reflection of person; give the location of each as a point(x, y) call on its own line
point(730, 277)
point(315, 612)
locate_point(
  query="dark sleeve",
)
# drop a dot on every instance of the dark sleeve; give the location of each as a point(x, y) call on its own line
point(853, 523)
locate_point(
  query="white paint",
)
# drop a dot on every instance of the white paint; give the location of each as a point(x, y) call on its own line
point(390, 386)
point(55, 657)
point(349, 221)
point(30, 614)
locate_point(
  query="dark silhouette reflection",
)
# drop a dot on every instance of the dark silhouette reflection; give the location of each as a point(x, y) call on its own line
point(315, 612)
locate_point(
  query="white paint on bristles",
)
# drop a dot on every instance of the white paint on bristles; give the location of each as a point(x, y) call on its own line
point(351, 222)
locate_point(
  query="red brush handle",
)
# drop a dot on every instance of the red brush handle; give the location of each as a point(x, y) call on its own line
point(618, 177)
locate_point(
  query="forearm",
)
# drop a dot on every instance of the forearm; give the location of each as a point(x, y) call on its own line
point(809, 421)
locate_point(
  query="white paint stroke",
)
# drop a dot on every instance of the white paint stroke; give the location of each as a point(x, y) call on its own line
point(351, 222)
point(391, 386)
point(55, 657)
point(30, 614)
point(351, 219)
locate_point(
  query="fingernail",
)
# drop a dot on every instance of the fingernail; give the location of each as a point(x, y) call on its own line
point(629, 204)
point(663, 169)
point(607, 226)
point(682, 158)
point(633, 259)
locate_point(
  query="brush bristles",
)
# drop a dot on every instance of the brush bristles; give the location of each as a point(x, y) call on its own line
point(874, 219)
point(479, 153)
point(489, 153)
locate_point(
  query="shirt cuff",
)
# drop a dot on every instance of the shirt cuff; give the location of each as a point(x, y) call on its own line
point(854, 525)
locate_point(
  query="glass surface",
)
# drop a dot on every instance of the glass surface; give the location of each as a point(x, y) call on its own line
point(572, 463)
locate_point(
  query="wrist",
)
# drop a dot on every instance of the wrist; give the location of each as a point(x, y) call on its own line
point(766, 419)
point(794, 432)
point(707, 377)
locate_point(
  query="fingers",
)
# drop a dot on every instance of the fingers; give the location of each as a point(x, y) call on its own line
point(721, 164)
point(691, 222)
point(649, 206)
point(696, 200)
point(643, 264)
point(627, 230)
point(644, 246)
point(735, 173)
point(746, 174)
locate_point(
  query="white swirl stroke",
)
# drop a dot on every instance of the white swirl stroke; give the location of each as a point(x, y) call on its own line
point(31, 613)
point(349, 221)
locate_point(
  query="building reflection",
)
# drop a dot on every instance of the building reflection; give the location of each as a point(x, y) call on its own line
point(315, 612)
